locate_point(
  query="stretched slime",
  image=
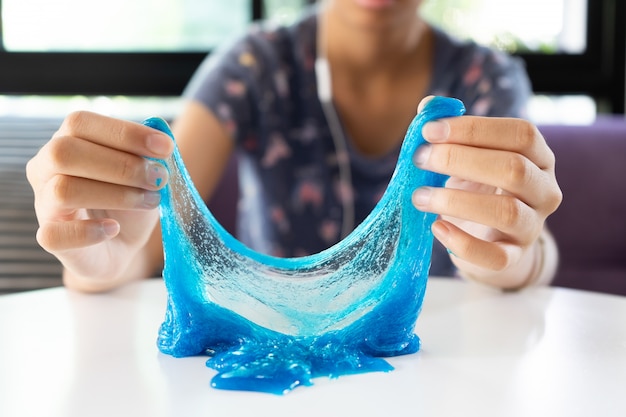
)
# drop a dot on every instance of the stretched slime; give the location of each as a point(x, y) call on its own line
point(271, 324)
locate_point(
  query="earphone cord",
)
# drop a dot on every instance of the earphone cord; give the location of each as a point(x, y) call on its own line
point(324, 92)
point(325, 95)
point(343, 163)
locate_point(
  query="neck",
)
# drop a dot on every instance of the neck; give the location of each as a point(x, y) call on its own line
point(369, 47)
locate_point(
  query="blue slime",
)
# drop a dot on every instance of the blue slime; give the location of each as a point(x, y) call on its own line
point(271, 324)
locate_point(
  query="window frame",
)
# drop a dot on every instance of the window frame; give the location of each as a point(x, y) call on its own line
point(134, 73)
point(599, 72)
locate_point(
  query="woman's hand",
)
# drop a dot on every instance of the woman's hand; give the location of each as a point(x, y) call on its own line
point(95, 195)
point(502, 187)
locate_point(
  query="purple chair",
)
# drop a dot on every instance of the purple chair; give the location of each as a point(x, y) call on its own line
point(590, 224)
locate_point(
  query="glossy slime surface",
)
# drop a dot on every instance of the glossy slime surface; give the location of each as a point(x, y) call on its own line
point(271, 324)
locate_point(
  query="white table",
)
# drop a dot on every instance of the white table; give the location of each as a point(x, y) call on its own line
point(542, 352)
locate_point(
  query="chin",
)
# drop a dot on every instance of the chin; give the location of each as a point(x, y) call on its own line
point(377, 14)
point(376, 4)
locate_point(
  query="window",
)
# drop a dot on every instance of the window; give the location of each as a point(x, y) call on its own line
point(140, 25)
point(570, 46)
point(542, 26)
point(152, 51)
point(284, 11)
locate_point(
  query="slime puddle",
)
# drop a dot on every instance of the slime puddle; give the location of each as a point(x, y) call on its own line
point(271, 324)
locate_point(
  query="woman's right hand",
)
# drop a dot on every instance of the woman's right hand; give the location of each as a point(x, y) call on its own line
point(95, 199)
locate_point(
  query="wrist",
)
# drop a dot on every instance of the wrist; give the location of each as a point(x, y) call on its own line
point(545, 262)
point(536, 267)
point(548, 263)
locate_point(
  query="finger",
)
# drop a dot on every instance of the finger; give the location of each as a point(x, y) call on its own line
point(64, 194)
point(507, 134)
point(63, 235)
point(424, 102)
point(118, 134)
point(494, 256)
point(80, 158)
point(501, 212)
point(506, 170)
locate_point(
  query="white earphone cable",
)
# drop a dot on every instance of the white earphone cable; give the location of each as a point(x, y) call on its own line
point(325, 95)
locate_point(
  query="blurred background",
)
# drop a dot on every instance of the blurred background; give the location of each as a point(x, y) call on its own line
point(133, 59)
point(68, 50)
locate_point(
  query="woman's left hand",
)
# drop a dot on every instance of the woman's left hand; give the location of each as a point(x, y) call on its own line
point(502, 187)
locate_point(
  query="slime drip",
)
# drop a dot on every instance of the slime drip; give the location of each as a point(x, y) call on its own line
point(271, 324)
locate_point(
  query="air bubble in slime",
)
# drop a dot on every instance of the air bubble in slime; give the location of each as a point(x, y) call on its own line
point(271, 324)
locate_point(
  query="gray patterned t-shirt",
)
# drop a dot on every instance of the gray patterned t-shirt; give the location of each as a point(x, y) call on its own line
point(263, 89)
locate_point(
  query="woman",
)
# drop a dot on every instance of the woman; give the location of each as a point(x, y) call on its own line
point(95, 194)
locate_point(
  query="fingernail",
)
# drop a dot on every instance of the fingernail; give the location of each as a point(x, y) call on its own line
point(159, 144)
point(422, 155)
point(156, 174)
point(421, 197)
point(110, 228)
point(436, 131)
point(423, 103)
point(151, 199)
